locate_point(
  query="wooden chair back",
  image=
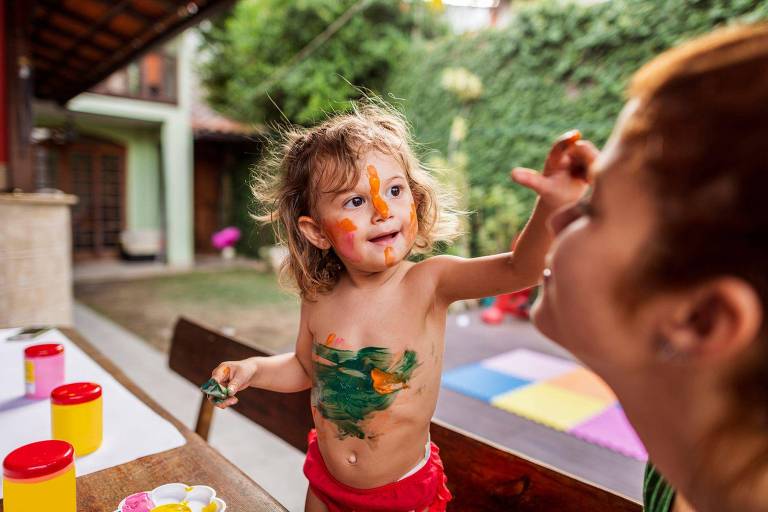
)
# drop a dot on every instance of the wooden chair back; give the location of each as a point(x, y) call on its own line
point(482, 476)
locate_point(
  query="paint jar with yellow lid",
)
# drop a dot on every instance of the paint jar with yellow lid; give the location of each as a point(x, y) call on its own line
point(77, 416)
point(39, 477)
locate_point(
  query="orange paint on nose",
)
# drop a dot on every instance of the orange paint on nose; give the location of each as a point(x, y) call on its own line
point(347, 225)
point(389, 258)
point(378, 202)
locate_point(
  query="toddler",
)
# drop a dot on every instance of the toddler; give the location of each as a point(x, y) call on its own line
point(352, 203)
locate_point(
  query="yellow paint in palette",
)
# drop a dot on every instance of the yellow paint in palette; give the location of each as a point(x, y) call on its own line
point(174, 507)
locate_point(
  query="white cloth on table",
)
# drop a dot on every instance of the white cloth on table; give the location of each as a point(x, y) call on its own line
point(131, 428)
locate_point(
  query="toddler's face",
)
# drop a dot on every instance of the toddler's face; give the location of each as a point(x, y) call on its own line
point(374, 225)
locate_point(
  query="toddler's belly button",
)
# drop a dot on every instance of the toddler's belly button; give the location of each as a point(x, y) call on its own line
point(352, 459)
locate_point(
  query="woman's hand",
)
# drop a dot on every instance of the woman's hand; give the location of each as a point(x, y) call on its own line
point(566, 171)
point(235, 376)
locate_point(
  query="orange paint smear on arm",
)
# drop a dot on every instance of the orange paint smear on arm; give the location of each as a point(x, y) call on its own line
point(330, 339)
point(378, 202)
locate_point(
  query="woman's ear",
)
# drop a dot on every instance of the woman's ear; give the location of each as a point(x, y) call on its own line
point(719, 318)
point(313, 232)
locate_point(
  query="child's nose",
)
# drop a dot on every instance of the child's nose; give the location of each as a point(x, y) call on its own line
point(381, 210)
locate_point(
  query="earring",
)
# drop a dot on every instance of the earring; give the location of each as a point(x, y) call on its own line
point(667, 352)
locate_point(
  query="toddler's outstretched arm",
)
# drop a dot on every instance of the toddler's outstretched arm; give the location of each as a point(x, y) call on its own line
point(284, 373)
point(562, 182)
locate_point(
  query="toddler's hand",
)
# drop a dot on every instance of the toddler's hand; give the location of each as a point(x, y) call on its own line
point(235, 376)
point(566, 171)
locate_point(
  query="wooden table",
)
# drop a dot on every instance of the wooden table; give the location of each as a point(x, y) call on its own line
point(195, 463)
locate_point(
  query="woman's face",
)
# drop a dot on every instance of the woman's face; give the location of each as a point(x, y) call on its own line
point(598, 246)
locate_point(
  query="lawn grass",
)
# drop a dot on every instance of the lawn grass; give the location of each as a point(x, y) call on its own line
point(244, 301)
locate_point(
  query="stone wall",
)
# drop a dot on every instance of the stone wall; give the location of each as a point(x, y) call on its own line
point(35, 259)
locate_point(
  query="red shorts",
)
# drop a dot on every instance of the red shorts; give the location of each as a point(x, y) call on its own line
point(425, 489)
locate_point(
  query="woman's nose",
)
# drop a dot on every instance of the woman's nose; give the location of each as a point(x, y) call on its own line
point(562, 218)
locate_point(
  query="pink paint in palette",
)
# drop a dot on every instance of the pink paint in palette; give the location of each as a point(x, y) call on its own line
point(175, 497)
point(552, 391)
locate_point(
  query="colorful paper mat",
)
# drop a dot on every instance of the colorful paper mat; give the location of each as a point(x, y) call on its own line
point(552, 391)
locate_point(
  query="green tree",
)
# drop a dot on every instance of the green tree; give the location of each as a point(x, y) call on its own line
point(306, 57)
point(558, 65)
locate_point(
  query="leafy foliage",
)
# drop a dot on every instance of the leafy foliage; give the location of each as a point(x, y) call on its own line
point(251, 70)
point(556, 66)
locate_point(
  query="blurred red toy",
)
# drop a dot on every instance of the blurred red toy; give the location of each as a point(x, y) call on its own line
point(516, 304)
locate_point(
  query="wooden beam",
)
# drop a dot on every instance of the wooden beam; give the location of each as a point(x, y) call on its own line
point(97, 25)
point(172, 25)
point(18, 69)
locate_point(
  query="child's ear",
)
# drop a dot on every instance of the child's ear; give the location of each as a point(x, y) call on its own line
point(313, 232)
point(712, 321)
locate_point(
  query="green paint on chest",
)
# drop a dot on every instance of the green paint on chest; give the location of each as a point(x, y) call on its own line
point(352, 384)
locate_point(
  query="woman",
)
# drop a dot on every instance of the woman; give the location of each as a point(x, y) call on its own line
point(673, 317)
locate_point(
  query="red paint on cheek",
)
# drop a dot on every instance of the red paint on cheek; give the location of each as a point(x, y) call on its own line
point(343, 233)
point(381, 206)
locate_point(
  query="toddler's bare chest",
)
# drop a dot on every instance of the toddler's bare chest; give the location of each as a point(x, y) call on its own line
point(396, 323)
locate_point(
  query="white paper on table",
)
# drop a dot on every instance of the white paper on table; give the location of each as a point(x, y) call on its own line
point(131, 428)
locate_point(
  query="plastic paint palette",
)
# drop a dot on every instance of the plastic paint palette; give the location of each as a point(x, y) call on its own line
point(552, 391)
point(174, 497)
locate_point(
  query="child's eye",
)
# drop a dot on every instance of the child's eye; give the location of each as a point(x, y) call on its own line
point(395, 190)
point(355, 202)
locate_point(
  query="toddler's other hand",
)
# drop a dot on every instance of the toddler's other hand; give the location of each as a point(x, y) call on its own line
point(235, 376)
point(566, 171)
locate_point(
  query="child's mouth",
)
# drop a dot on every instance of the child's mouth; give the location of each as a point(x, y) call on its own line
point(385, 239)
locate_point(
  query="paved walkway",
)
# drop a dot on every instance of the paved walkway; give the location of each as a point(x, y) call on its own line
point(274, 464)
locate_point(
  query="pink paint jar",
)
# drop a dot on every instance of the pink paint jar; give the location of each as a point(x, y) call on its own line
point(43, 369)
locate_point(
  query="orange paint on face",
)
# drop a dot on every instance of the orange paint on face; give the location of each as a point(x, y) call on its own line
point(330, 339)
point(385, 383)
point(389, 258)
point(342, 234)
point(378, 202)
point(414, 224)
point(347, 225)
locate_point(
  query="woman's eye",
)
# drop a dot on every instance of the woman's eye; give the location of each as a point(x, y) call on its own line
point(584, 208)
point(395, 190)
point(355, 202)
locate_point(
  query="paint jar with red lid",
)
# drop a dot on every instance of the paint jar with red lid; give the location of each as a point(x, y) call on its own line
point(40, 476)
point(77, 416)
point(43, 369)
